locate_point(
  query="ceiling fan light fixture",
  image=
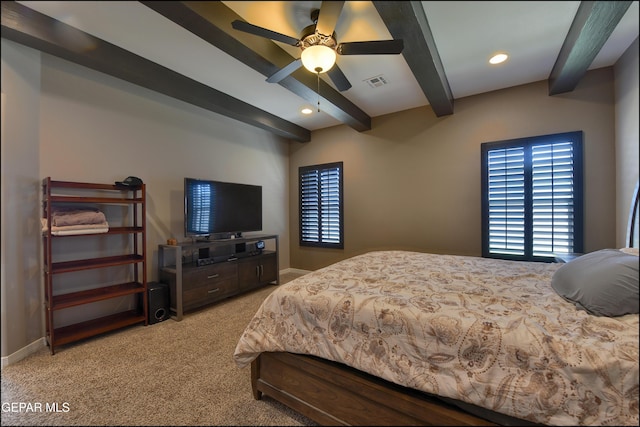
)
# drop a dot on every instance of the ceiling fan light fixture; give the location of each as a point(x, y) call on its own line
point(318, 58)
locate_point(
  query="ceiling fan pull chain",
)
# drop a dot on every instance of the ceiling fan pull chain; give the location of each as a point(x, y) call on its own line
point(318, 74)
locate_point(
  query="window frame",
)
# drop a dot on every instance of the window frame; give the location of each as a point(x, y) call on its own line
point(302, 171)
point(527, 143)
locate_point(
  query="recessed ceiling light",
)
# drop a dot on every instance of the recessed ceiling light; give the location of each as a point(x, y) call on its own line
point(499, 58)
point(306, 111)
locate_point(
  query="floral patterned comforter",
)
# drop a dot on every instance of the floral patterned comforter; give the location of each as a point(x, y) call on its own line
point(488, 332)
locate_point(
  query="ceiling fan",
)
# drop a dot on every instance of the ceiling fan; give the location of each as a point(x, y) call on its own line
point(319, 45)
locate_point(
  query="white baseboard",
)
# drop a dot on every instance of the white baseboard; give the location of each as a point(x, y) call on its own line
point(24, 352)
point(294, 270)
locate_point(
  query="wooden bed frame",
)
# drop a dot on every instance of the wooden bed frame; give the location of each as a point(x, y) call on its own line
point(330, 393)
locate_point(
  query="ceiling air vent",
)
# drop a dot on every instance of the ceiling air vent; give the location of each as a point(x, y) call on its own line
point(376, 81)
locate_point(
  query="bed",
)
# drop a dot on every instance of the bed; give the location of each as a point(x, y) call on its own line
point(410, 338)
point(399, 338)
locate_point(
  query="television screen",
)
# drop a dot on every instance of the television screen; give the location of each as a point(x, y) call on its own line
point(215, 207)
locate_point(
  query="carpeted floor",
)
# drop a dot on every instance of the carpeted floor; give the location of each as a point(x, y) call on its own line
point(169, 373)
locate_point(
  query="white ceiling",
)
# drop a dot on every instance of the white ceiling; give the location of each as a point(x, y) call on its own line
point(466, 34)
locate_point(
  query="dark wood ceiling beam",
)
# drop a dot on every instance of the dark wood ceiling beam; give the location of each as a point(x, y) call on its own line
point(33, 29)
point(211, 21)
point(593, 24)
point(406, 20)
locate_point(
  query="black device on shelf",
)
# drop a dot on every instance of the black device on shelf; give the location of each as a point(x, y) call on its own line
point(221, 208)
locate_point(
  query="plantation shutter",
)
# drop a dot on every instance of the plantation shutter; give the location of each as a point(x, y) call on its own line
point(532, 197)
point(321, 222)
point(506, 201)
point(553, 198)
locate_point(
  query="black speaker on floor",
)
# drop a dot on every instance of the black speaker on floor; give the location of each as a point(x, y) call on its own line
point(158, 302)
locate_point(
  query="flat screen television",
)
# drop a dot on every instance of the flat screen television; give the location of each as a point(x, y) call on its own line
point(215, 209)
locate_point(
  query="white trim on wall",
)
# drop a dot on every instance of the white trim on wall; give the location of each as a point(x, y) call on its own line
point(3, 225)
point(294, 271)
point(24, 352)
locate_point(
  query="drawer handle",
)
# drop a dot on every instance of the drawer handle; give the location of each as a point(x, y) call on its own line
point(211, 291)
point(213, 276)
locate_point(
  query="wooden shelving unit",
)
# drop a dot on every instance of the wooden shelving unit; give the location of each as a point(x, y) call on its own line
point(65, 193)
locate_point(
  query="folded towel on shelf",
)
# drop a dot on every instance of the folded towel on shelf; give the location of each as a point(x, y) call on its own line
point(67, 230)
point(64, 217)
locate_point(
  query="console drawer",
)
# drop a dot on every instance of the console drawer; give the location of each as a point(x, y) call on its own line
point(210, 292)
point(208, 276)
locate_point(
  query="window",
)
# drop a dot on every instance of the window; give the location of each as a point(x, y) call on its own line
point(532, 197)
point(321, 207)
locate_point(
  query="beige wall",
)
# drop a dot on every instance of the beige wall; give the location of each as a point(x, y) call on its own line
point(72, 123)
point(100, 129)
point(22, 310)
point(413, 181)
point(627, 138)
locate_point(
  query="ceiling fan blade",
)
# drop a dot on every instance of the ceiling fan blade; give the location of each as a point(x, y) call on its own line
point(378, 47)
point(285, 71)
point(263, 32)
point(328, 17)
point(338, 78)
